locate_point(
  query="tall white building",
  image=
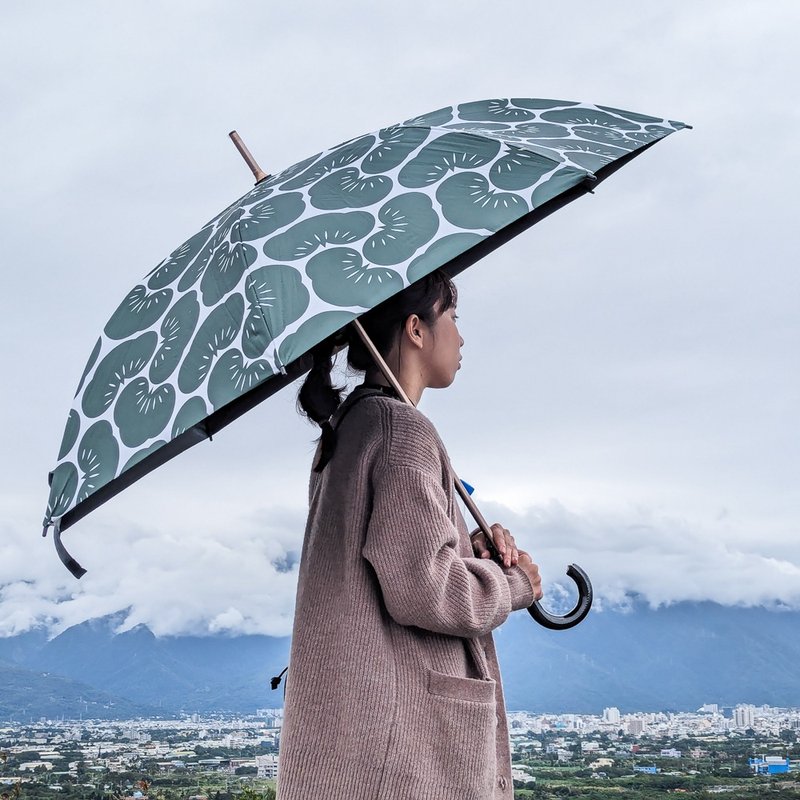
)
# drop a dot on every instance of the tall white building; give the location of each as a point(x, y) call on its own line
point(611, 715)
point(744, 716)
point(636, 726)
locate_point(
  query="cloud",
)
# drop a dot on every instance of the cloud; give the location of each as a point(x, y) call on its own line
point(661, 559)
point(241, 578)
point(199, 580)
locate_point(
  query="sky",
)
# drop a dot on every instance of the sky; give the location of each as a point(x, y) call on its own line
point(629, 394)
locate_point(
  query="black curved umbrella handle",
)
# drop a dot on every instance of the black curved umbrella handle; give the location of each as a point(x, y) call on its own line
point(578, 613)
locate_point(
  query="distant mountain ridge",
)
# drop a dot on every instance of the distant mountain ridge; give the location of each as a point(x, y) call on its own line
point(677, 657)
point(167, 675)
point(27, 694)
point(673, 658)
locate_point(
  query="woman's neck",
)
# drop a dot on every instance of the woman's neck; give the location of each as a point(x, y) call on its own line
point(412, 388)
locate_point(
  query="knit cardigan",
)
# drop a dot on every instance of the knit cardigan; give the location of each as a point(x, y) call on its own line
point(393, 690)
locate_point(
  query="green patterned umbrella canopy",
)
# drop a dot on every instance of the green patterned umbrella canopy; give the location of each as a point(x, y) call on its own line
point(229, 317)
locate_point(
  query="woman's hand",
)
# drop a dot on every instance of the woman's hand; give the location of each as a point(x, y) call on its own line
point(503, 543)
point(532, 571)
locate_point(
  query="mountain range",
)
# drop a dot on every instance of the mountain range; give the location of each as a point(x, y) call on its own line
point(672, 658)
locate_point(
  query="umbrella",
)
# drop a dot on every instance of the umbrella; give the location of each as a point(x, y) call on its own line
point(230, 316)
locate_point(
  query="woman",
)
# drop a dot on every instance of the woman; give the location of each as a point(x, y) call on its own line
point(393, 688)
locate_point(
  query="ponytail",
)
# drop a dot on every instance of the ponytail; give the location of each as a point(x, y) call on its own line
point(319, 398)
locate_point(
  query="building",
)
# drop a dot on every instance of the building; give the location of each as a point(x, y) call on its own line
point(771, 765)
point(611, 715)
point(635, 726)
point(267, 766)
point(744, 716)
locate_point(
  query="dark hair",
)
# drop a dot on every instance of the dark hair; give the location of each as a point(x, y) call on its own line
point(318, 397)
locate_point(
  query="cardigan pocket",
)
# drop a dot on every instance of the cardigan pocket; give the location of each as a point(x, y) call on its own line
point(444, 744)
point(475, 690)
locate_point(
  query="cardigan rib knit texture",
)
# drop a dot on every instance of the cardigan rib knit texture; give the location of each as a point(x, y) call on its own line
point(393, 690)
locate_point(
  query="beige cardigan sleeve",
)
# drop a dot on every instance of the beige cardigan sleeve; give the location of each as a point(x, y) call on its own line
point(413, 546)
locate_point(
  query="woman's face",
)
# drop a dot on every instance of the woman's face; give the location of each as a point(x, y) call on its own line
point(444, 354)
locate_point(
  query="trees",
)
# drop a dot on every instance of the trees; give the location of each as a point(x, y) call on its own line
point(788, 736)
point(249, 793)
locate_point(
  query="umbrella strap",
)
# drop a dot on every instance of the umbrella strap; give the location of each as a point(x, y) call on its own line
point(66, 559)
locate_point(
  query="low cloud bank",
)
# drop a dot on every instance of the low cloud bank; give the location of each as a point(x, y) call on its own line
point(242, 579)
point(657, 558)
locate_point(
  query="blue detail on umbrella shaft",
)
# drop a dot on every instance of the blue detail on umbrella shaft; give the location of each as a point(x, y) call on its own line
point(470, 489)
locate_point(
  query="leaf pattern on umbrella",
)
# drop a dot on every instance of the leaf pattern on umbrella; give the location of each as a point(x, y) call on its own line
point(397, 143)
point(348, 188)
point(263, 188)
point(71, 431)
point(142, 412)
point(191, 412)
point(606, 135)
point(561, 181)
point(217, 332)
point(440, 253)
point(172, 267)
point(340, 156)
point(651, 133)
point(232, 377)
point(225, 270)
point(340, 277)
point(89, 365)
point(468, 201)
point(445, 154)
point(482, 127)
point(125, 361)
point(494, 109)
point(141, 455)
point(137, 312)
point(432, 119)
point(268, 216)
point(306, 250)
point(314, 329)
point(519, 169)
point(63, 485)
point(407, 222)
point(588, 116)
point(307, 236)
point(98, 457)
point(176, 331)
point(276, 297)
point(542, 130)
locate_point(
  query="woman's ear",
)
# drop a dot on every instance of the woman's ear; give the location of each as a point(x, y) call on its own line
point(412, 330)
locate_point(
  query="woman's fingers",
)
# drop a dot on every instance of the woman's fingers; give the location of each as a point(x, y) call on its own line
point(479, 546)
point(504, 545)
point(532, 571)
